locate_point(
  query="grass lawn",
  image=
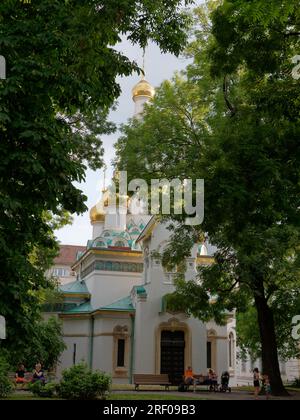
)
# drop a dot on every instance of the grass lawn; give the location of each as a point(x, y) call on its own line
point(141, 396)
point(290, 388)
point(112, 397)
point(26, 397)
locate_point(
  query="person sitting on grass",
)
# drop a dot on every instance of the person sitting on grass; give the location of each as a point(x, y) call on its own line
point(20, 375)
point(189, 376)
point(38, 374)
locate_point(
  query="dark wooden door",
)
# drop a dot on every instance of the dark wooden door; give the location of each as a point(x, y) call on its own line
point(172, 355)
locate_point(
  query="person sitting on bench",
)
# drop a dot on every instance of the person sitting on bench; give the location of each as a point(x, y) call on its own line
point(212, 380)
point(20, 375)
point(38, 374)
point(189, 376)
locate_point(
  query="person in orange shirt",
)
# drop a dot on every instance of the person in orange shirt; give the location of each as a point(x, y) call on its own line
point(189, 376)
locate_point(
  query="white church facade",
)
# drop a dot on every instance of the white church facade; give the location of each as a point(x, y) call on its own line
point(114, 314)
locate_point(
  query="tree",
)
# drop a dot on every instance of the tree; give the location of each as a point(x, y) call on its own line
point(62, 67)
point(285, 305)
point(44, 344)
point(239, 131)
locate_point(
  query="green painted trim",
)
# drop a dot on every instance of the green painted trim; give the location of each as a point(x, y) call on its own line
point(91, 342)
point(132, 349)
point(114, 310)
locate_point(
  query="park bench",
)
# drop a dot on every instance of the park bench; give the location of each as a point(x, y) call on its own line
point(12, 378)
point(202, 381)
point(28, 376)
point(149, 379)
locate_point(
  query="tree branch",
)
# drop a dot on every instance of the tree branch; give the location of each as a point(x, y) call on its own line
point(230, 288)
point(231, 107)
point(292, 34)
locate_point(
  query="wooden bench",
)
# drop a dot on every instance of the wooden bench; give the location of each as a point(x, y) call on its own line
point(148, 379)
point(28, 377)
point(12, 378)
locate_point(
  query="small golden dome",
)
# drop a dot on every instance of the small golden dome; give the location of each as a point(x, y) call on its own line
point(97, 214)
point(143, 88)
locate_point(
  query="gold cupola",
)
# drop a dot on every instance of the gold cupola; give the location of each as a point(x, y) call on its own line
point(143, 88)
point(97, 213)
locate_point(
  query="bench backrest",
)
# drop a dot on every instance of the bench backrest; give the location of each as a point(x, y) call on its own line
point(201, 378)
point(148, 379)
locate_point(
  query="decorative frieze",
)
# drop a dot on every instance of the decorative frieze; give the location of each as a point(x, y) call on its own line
point(102, 265)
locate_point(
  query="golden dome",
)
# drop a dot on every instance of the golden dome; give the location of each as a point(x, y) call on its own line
point(143, 88)
point(97, 214)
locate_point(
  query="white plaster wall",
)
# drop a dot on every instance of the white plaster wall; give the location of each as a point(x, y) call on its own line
point(102, 355)
point(292, 369)
point(139, 105)
point(97, 229)
point(75, 331)
point(199, 356)
point(82, 352)
point(222, 356)
point(103, 342)
point(107, 287)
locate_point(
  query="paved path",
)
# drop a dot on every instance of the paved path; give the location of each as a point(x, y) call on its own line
point(234, 395)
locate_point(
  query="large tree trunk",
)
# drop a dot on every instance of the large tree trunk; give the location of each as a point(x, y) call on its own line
point(270, 361)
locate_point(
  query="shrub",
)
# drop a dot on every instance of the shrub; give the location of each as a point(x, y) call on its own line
point(6, 386)
point(40, 390)
point(80, 383)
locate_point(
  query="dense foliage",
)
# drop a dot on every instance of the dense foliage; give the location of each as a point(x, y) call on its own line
point(41, 390)
point(62, 66)
point(43, 344)
point(5, 384)
point(80, 383)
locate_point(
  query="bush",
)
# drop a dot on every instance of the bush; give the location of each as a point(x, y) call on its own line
point(6, 386)
point(80, 383)
point(40, 390)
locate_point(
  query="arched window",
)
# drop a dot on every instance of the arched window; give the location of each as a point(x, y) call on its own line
point(106, 234)
point(100, 244)
point(231, 350)
point(243, 365)
point(120, 351)
point(120, 244)
point(211, 350)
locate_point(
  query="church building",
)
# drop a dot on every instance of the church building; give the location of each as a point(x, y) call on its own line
point(114, 314)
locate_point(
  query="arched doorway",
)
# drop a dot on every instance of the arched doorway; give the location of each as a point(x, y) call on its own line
point(172, 354)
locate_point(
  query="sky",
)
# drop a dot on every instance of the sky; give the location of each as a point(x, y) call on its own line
point(158, 67)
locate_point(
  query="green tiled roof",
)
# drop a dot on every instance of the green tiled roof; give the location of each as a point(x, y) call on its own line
point(83, 308)
point(74, 287)
point(124, 304)
point(140, 290)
